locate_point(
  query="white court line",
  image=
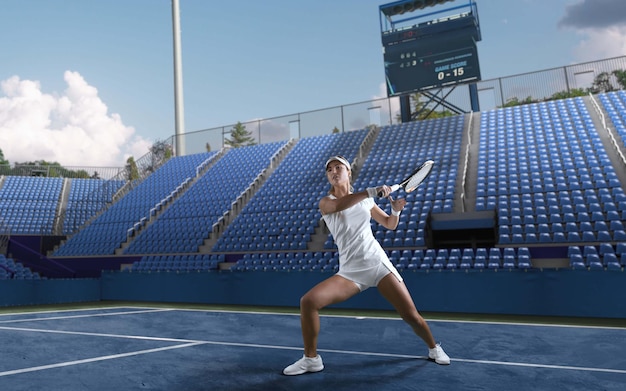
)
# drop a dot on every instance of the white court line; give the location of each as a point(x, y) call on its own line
point(547, 366)
point(359, 317)
point(185, 343)
point(94, 359)
point(86, 315)
point(138, 337)
point(506, 363)
point(188, 343)
point(57, 311)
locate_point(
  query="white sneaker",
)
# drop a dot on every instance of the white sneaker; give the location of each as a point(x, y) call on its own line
point(438, 355)
point(304, 365)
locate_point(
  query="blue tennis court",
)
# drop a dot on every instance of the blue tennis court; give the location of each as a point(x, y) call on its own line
point(161, 348)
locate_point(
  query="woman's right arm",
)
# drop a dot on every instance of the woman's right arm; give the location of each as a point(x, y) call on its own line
point(330, 205)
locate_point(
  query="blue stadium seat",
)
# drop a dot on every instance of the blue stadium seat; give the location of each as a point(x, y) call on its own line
point(619, 235)
point(589, 250)
point(427, 262)
point(545, 237)
point(612, 263)
point(523, 261)
point(589, 236)
point(480, 261)
point(594, 262)
point(616, 225)
point(494, 262)
point(577, 262)
point(440, 262)
point(573, 237)
point(453, 262)
point(508, 262)
point(531, 238)
point(604, 236)
point(467, 262)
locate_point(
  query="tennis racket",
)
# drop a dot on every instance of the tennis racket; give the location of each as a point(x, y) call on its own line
point(411, 182)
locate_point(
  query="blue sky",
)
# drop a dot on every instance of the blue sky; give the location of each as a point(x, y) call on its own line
point(89, 82)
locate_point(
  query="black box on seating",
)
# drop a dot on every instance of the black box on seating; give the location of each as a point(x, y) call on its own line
point(462, 230)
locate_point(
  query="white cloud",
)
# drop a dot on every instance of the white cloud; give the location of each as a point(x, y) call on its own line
point(73, 129)
point(601, 43)
point(393, 106)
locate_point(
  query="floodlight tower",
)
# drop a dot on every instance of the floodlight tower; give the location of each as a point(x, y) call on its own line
point(179, 111)
point(425, 51)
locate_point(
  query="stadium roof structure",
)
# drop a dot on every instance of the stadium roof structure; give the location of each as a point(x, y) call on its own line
point(404, 6)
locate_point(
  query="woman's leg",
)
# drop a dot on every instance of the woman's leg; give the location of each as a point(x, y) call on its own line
point(330, 291)
point(398, 295)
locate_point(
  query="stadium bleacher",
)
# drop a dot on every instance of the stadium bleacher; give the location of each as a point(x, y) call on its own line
point(187, 223)
point(284, 214)
point(29, 204)
point(10, 269)
point(110, 229)
point(86, 198)
point(614, 103)
point(398, 150)
point(542, 167)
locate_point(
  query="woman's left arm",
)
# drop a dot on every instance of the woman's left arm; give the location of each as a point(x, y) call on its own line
point(389, 221)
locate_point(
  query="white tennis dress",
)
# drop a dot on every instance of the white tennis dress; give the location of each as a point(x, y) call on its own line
point(361, 258)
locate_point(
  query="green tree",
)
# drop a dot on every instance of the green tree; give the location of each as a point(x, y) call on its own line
point(422, 111)
point(620, 75)
point(418, 105)
point(514, 101)
point(49, 169)
point(131, 169)
point(335, 130)
point(569, 94)
point(240, 137)
point(2, 160)
point(160, 152)
point(602, 83)
point(436, 114)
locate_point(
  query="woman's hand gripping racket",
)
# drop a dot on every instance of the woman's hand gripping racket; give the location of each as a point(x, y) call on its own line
point(411, 182)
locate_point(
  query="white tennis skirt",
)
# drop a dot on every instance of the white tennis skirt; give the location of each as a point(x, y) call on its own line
point(368, 278)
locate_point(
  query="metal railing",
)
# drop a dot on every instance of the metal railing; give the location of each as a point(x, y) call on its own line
point(607, 129)
point(60, 172)
point(492, 94)
point(109, 192)
point(5, 234)
point(466, 160)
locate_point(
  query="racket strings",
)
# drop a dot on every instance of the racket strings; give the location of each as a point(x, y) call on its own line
point(418, 177)
point(415, 181)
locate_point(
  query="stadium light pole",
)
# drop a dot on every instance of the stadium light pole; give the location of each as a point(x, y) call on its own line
point(178, 82)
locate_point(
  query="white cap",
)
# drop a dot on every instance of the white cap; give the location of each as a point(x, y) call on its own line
point(340, 159)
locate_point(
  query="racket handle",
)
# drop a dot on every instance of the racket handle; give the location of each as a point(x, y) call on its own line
point(393, 188)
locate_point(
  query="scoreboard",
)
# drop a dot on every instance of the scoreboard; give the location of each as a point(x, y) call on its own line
point(432, 62)
point(433, 54)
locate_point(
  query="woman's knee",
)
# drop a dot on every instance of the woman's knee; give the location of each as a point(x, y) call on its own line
point(415, 320)
point(309, 302)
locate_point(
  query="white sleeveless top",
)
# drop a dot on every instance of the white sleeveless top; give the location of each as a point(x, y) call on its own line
point(351, 229)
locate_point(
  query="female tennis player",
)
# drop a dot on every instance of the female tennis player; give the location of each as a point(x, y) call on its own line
point(362, 264)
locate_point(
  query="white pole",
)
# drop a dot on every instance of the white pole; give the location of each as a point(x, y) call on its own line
point(178, 82)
